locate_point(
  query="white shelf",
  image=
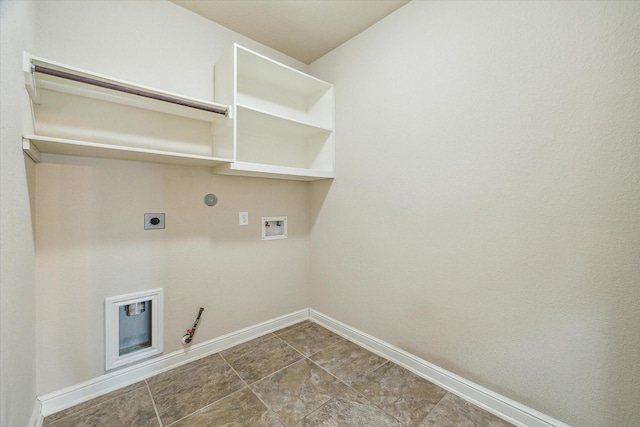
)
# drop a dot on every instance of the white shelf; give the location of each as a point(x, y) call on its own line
point(274, 141)
point(37, 82)
point(283, 118)
point(34, 145)
point(277, 116)
point(265, 85)
point(253, 66)
point(78, 118)
point(260, 170)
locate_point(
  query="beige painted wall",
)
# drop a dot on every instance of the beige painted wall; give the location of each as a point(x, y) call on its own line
point(90, 240)
point(17, 277)
point(486, 210)
point(485, 214)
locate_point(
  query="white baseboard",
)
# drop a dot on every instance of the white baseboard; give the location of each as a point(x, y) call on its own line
point(488, 400)
point(36, 415)
point(62, 399)
point(495, 403)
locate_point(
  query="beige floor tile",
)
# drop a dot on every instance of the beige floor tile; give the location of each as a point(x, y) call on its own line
point(352, 413)
point(132, 409)
point(261, 357)
point(177, 396)
point(400, 392)
point(348, 361)
point(337, 384)
point(180, 370)
point(93, 402)
point(292, 327)
point(453, 411)
point(240, 409)
point(297, 390)
point(310, 339)
point(240, 350)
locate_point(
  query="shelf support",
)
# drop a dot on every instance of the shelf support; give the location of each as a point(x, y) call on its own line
point(29, 79)
point(32, 151)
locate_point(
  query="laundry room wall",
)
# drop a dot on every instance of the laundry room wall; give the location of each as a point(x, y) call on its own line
point(485, 214)
point(90, 241)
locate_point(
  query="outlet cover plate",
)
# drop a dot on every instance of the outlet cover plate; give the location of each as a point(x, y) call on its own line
point(153, 221)
point(243, 218)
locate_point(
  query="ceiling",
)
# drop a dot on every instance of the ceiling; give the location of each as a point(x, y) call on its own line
point(302, 29)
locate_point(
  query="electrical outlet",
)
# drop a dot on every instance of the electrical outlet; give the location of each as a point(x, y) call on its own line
point(153, 221)
point(243, 218)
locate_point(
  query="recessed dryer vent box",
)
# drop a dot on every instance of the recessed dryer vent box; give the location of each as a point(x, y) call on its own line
point(133, 327)
point(274, 227)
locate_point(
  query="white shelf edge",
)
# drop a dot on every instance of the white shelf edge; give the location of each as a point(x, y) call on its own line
point(71, 147)
point(32, 151)
point(281, 117)
point(260, 170)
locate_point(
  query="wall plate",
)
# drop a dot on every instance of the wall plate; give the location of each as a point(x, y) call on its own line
point(243, 218)
point(274, 227)
point(153, 221)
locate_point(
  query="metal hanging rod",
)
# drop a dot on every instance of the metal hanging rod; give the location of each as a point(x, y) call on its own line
point(125, 89)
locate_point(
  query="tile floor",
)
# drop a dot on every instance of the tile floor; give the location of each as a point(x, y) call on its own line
point(303, 375)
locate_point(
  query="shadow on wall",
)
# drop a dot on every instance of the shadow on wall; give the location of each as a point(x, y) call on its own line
point(318, 192)
point(88, 201)
point(30, 168)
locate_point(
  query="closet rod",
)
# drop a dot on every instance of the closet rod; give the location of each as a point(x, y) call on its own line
point(112, 86)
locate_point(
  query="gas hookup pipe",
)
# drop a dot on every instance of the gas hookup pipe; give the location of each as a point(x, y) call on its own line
point(186, 338)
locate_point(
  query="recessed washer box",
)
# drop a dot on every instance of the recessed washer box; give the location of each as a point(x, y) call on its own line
point(274, 227)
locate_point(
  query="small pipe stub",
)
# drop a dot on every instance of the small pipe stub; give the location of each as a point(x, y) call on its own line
point(188, 337)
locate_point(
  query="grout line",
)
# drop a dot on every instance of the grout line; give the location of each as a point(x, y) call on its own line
point(153, 402)
point(359, 346)
point(89, 407)
point(332, 344)
point(275, 372)
point(311, 323)
point(259, 379)
point(288, 366)
point(215, 401)
point(223, 397)
point(314, 411)
point(295, 349)
point(244, 343)
point(324, 348)
point(357, 392)
point(247, 386)
point(291, 328)
point(438, 403)
point(206, 406)
point(234, 370)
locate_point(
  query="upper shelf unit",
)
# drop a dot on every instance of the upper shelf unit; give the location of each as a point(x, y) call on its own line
point(283, 118)
point(81, 113)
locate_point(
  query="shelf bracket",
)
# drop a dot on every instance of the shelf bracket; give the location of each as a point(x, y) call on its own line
point(29, 79)
point(32, 151)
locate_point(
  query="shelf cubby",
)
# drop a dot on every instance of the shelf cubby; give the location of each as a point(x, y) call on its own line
point(79, 113)
point(283, 118)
